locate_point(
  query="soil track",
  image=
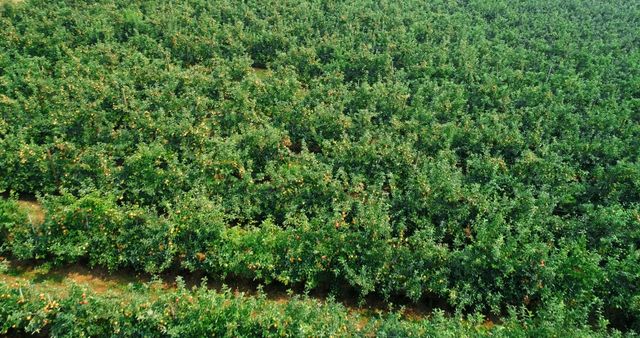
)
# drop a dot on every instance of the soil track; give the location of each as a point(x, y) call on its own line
point(101, 281)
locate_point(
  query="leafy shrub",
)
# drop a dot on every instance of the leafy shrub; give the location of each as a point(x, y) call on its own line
point(12, 218)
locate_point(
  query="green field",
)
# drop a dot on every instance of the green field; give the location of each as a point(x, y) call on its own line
point(473, 161)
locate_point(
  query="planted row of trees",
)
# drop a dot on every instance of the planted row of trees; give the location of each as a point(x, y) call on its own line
point(147, 310)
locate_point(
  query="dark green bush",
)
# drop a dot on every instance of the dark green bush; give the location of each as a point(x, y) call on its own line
point(12, 220)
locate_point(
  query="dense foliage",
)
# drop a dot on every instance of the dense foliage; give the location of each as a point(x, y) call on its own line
point(148, 311)
point(482, 152)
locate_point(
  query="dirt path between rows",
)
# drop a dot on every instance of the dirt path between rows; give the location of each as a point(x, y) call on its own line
point(56, 281)
point(100, 280)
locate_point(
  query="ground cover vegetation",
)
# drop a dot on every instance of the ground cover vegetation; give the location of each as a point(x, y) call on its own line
point(149, 311)
point(485, 154)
